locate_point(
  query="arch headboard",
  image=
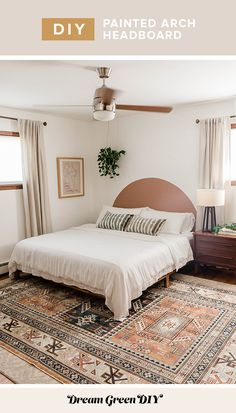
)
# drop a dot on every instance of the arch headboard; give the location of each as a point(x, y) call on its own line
point(155, 193)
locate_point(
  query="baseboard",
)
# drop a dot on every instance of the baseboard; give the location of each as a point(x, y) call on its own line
point(3, 268)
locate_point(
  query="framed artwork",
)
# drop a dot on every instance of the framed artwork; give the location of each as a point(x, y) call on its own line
point(70, 175)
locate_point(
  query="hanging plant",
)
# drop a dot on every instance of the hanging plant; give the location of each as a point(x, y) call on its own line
point(107, 161)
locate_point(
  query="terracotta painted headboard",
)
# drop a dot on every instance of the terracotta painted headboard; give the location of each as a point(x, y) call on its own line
point(155, 193)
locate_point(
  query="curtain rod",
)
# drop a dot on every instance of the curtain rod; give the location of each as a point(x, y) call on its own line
point(8, 117)
point(232, 116)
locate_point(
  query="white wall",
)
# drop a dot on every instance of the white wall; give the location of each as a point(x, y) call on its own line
point(160, 145)
point(66, 137)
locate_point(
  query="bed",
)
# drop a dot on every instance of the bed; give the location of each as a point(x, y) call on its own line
point(118, 265)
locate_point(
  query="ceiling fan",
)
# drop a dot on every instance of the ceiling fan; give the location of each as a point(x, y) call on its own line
point(104, 102)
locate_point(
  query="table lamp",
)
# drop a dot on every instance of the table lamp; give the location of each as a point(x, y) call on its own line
point(210, 198)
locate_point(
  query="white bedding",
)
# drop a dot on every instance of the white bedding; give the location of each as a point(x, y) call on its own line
point(118, 265)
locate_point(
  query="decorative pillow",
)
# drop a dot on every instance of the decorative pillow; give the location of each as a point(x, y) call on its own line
point(174, 220)
point(144, 225)
point(117, 222)
point(115, 210)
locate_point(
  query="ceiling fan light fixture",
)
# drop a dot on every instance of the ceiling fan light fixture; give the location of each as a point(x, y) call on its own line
point(104, 115)
point(102, 111)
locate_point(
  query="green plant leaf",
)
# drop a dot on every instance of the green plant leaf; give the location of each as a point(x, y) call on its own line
point(108, 161)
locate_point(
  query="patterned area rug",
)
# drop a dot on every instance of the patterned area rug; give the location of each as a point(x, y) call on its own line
point(5, 380)
point(183, 334)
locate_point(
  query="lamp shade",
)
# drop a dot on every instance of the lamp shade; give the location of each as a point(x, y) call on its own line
point(210, 197)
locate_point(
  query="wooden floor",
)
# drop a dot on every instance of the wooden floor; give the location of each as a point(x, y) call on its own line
point(210, 273)
point(225, 276)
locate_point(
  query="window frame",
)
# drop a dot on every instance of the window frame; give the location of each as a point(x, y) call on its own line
point(10, 186)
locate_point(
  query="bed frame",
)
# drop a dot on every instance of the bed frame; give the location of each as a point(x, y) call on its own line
point(157, 194)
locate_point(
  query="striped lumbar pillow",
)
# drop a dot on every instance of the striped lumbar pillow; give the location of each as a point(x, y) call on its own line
point(117, 222)
point(148, 226)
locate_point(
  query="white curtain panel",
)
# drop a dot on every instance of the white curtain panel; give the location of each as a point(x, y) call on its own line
point(35, 190)
point(214, 161)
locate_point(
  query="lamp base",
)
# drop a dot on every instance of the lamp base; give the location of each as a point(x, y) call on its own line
point(209, 218)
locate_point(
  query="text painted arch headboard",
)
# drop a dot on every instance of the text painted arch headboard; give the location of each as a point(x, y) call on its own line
point(155, 193)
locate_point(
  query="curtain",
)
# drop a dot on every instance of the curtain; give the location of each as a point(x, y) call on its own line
point(35, 191)
point(214, 161)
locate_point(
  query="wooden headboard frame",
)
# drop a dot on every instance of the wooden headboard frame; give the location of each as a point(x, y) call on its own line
point(155, 193)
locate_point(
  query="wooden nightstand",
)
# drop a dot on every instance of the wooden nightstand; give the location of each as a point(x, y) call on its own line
point(215, 250)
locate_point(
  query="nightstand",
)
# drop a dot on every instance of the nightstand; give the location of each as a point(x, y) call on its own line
point(215, 250)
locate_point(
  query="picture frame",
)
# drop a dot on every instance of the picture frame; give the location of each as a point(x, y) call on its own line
point(70, 176)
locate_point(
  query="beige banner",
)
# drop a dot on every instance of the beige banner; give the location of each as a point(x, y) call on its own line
point(135, 399)
point(213, 33)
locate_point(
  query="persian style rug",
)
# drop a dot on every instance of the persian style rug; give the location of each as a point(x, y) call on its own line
point(182, 334)
point(5, 380)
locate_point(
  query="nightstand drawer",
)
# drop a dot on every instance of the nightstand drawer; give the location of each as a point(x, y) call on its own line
point(217, 240)
point(226, 250)
point(216, 261)
point(215, 250)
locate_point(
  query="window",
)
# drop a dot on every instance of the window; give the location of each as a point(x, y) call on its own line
point(10, 161)
point(233, 154)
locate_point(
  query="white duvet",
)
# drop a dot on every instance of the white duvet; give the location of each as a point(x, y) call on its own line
point(118, 265)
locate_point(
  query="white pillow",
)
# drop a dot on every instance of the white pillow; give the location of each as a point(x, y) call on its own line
point(176, 222)
point(115, 210)
point(188, 222)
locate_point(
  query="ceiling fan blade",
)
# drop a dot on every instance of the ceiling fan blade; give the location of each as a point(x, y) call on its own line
point(62, 106)
point(142, 108)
